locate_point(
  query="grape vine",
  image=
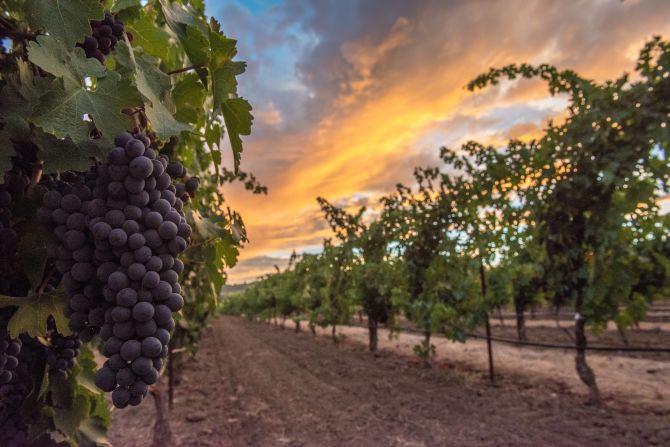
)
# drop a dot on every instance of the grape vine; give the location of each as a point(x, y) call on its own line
point(113, 233)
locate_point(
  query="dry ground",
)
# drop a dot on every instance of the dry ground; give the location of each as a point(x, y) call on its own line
point(252, 384)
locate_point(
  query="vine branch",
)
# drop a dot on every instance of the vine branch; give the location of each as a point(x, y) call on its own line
point(181, 70)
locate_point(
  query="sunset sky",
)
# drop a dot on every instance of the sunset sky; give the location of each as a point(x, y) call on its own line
point(349, 96)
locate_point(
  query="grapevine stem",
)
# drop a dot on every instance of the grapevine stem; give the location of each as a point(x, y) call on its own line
point(46, 279)
point(8, 29)
point(35, 177)
point(181, 70)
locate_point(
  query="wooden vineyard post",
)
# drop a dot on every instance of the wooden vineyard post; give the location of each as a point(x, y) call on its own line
point(482, 280)
point(170, 378)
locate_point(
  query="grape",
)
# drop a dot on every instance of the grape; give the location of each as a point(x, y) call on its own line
point(115, 218)
point(139, 388)
point(132, 212)
point(132, 349)
point(104, 36)
point(192, 185)
point(134, 148)
point(146, 329)
point(167, 230)
point(141, 167)
point(175, 302)
point(136, 271)
point(162, 206)
point(150, 280)
point(117, 281)
point(134, 185)
point(62, 351)
point(167, 260)
point(153, 219)
point(154, 264)
point(153, 239)
point(151, 377)
point(73, 239)
point(127, 259)
point(51, 199)
point(125, 330)
point(143, 311)
point(162, 291)
point(142, 366)
point(9, 351)
point(136, 241)
point(120, 397)
point(82, 271)
point(162, 314)
point(71, 203)
point(151, 347)
point(122, 139)
point(169, 276)
point(142, 254)
point(118, 237)
point(120, 314)
point(105, 379)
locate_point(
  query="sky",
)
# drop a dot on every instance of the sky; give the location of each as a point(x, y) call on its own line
point(350, 95)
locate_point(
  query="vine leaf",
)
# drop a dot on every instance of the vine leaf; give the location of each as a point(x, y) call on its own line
point(223, 69)
point(238, 118)
point(61, 155)
point(191, 31)
point(34, 311)
point(80, 410)
point(189, 95)
point(74, 99)
point(66, 20)
point(155, 86)
point(120, 5)
point(151, 38)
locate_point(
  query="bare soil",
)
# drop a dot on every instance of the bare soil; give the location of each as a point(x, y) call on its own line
point(252, 384)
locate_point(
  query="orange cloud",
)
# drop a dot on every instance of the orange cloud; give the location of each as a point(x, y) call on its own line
point(379, 103)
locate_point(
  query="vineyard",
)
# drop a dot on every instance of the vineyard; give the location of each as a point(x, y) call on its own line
point(479, 303)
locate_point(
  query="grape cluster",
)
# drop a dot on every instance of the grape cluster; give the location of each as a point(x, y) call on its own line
point(61, 353)
point(65, 208)
point(13, 388)
point(105, 35)
point(118, 230)
point(16, 182)
point(9, 353)
point(137, 221)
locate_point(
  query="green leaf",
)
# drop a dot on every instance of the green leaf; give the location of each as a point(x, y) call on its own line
point(86, 378)
point(73, 66)
point(209, 226)
point(34, 311)
point(155, 86)
point(65, 20)
point(222, 69)
point(238, 118)
point(120, 5)
point(148, 35)
point(93, 431)
point(189, 95)
point(191, 30)
point(61, 155)
point(62, 110)
point(32, 249)
point(68, 418)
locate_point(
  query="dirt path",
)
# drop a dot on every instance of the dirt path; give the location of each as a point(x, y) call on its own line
point(252, 384)
point(623, 380)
